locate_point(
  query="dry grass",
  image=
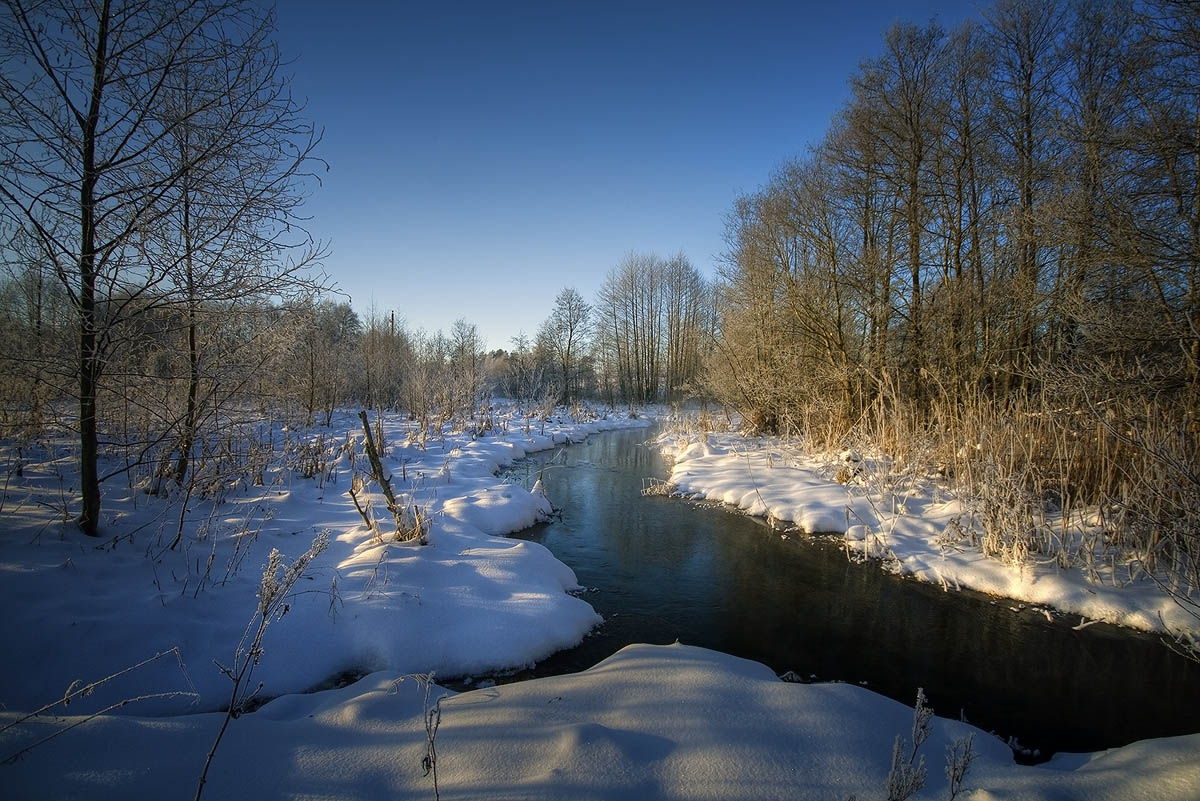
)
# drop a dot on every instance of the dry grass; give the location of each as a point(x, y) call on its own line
point(1060, 476)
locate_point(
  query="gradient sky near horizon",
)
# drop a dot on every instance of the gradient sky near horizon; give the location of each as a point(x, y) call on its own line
point(483, 155)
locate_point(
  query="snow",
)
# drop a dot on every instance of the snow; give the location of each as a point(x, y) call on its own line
point(653, 722)
point(470, 601)
point(650, 722)
point(909, 524)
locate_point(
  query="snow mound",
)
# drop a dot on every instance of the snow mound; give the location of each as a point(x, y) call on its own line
point(651, 722)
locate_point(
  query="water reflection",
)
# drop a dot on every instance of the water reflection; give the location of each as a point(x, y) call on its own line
point(665, 569)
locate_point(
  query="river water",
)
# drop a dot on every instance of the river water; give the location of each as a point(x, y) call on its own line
point(665, 569)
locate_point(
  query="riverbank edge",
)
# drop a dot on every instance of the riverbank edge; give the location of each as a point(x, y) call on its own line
point(770, 479)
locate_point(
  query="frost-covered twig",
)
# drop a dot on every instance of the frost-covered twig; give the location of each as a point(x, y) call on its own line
point(79, 690)
point(959, 756)
point(432, 716)
point(906, 777)
point(907, 774)
point(277, 582)
point(433, 719)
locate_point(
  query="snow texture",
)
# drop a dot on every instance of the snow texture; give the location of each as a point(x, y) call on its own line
point(651, 722)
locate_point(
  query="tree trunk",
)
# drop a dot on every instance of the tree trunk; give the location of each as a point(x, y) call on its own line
point(89, 355)
point(187, 437)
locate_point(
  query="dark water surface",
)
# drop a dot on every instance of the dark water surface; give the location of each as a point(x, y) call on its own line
point(667, 569)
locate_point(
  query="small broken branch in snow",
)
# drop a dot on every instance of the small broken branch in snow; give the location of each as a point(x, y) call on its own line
point(78, 689)
point(433, 719)
point(409, 525)
point(357, 485)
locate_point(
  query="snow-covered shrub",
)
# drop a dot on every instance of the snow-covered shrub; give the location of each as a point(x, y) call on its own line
point(656, 486)
point(907, 774)
point(1006, 513)
point(310, 457)
point(412, 519)
point(413, 522)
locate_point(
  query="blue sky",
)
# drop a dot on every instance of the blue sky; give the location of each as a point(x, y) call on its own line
point(485, 155)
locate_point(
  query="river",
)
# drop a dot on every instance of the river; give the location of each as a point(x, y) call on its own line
point(664, 569)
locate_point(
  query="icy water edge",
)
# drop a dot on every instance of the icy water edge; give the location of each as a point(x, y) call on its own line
point(665, 569)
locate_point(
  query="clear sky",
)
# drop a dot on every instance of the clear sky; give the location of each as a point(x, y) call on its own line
point(483, 155)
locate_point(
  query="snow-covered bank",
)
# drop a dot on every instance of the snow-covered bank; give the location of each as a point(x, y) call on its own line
point(916, 528)
point(82, 609)
point(651, 722)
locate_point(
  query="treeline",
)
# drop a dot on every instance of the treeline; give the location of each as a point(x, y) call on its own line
point(995, 204)
point(643, 340)
point(991, 266)
point(177, 375)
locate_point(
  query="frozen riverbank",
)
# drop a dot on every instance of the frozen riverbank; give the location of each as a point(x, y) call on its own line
point(650, 722)
point(916, 527)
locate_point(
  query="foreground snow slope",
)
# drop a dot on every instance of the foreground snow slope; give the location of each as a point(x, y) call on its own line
point(914, 528)
point(469, 601)
point(651, 722)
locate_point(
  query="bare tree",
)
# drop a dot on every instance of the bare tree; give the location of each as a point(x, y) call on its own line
point(116, 116)
point(466, 368)
point(386, 355)
point(650, 321)
point(241, 148)
point(869, 202)
point(962, 202)
point(526, 373)
point(902, 86)
point(564, 334)
point(1023, 37)
point(686, 298)
point(1157, 234)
